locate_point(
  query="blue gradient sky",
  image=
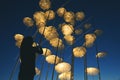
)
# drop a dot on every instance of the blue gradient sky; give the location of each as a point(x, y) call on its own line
point(106, 15)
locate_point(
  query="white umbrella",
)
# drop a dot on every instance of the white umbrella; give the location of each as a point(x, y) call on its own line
point(79, 16)
point(28, 21)
point(50, 14)
point(65, 76)
point(61, 11)
point(39, 18)
point(79, 51)
point(18, 37)
point(45, 4)
point(67, 29)
point(101, 54)
point(92, 71)
point(46, 52)
point(51, 59)
point(69, 17)
point(89, 39)
point(56, 42)
point(69, 39)
point(63, 67)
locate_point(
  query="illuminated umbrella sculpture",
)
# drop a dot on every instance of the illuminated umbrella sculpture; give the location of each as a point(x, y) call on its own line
point(92, 71)
point(52, 35)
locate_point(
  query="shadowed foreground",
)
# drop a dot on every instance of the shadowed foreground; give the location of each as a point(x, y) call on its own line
point(27, 56)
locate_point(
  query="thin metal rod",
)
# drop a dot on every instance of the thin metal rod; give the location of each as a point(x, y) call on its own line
point(72, 69)
point(34, 35)
point(98, 65)
point(85, 67)
point(41, 70)
point(57, 77)
point(14, 68)
point(93, 77)
point(65, 3)
point(55, 60)
point(84, 22)
point(47, 72)
point(42, 66)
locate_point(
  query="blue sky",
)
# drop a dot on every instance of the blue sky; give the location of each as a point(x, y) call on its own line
point(106, 15)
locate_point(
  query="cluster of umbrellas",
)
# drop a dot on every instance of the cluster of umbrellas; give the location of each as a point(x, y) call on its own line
point(68, 29)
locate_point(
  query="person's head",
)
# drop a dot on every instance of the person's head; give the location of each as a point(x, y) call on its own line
point(27, 41)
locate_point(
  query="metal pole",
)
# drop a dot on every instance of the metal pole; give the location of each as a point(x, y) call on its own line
point(55, 61)
point(72, 69)
point(14, 68)
point(98, 65)
point(85, 67)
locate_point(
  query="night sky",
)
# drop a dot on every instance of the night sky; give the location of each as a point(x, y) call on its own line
point(106, 16)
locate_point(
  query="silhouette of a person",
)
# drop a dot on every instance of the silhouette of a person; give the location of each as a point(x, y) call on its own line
point(27, 56)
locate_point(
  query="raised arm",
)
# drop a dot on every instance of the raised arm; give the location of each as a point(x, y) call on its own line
point(38, 49)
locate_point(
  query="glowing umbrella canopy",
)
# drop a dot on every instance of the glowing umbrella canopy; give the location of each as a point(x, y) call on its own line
point(79, 16)
point(56, 42)
point(61, 11)
point(46, 52)
point(28, 21)
point(41, 25)
point(65, 76)
point(98, 32)
point(63, 67)
point(89, 39)
point(69, 39)
point(45, 4)
point(69, 16)
point(50, 33)
point(18, 37)
point(87, 25)
point(78, 31)
point(37, 71)
point(51, 59)
point(101, 54)
point(92, 71)
point(79, 51)
point(50, 14)
point(67, 29)
point(42, 29)
point(39, 17)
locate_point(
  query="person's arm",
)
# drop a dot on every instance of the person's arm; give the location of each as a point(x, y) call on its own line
point(38, 49)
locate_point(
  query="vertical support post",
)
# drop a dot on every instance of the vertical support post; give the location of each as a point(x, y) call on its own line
point(85, 67)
